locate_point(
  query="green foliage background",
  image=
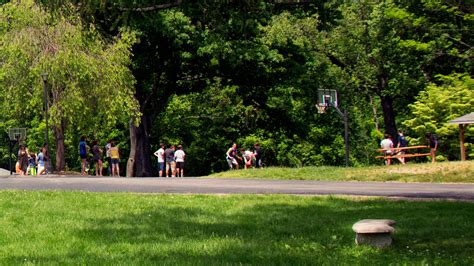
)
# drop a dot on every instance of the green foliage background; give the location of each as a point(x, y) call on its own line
point(206, 74)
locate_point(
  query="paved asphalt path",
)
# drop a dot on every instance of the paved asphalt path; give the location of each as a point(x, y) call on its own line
point(240, 186)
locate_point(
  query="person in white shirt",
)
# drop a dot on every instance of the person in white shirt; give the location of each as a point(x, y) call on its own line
point(160, 153)
point(387, 145)
point(248, 156)
point(179, 155)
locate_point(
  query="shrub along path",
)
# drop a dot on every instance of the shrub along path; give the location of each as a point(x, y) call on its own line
point(241, 186)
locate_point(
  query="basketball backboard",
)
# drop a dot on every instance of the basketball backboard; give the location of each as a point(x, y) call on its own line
point(327, 97)
point(18, 134)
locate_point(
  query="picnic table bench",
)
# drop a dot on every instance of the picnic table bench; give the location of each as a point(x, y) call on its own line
point(394, 152)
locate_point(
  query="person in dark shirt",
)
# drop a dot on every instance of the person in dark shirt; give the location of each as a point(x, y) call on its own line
point(97, 152)
point(401, 143)
point(258, 155)
point(433, 142)
point(230, 157)
point(23, 159)
point(170, 161)
point(32, 164)
point(83, 154)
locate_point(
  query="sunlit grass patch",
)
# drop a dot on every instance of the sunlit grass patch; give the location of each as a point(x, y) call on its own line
point(457, 172)
point(119, 228)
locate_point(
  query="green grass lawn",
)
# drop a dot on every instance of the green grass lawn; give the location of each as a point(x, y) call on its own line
point(454, 172)
point(119, 228)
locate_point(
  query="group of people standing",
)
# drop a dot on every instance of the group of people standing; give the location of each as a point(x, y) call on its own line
point(31, 163)
point(249, 158)
point(170, 161)
point(112, 157)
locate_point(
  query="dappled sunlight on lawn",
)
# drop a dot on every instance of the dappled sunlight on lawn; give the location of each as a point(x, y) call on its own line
point(420, 172)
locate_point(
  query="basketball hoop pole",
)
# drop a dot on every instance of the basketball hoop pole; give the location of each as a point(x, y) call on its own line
point(10, 146)
point(344, 116)
point(328, 98)
point(346, 136)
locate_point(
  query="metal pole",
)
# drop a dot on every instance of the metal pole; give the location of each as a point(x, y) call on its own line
point(346, 136)
point(10, 142)
point(344, 116)
point(45, 83)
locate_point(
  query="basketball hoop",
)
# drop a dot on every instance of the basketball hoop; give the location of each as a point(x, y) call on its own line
point(17, 134)
point(321, 108)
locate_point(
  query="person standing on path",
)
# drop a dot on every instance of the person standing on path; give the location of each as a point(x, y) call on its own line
point(433, 142)
point(401, 143)
point(115, 158)
point(170, 161)
point(47, 159)
point(41, 161)
point(82, 154)
point(97, 153)
point(108, 158)
point(179, 155)
point(23, 159)
point(160, 154)
point(258, 155)
point(32, 164)
point(387, 145)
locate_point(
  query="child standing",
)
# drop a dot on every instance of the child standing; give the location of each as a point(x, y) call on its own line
point(23, 160)
point(32, 164)
point(83, 154)
point(115, 156)
point(41, 162)
point(97, 153)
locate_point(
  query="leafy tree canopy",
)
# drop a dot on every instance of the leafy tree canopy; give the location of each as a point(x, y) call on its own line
point(89, 82)
point(437, 105)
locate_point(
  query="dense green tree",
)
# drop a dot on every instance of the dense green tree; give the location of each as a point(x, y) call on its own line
point(89, 82)
point(212, 72)
point(184, 48)
point(392, 49)
point(365, 44)
point(276, 78)
point(438, 104)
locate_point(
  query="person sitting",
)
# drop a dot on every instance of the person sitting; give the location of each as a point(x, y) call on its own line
point(401, 143)
point(387, 145)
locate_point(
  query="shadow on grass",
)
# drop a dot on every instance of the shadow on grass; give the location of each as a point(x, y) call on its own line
point(269, 230)
point(264, 232)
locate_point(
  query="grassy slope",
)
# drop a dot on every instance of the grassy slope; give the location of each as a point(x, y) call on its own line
point(438, 172)
point(104, 228)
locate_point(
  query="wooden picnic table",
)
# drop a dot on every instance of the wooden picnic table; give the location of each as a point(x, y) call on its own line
point(395, 151)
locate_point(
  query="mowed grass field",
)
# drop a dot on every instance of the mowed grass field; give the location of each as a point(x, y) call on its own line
point(142, 229)
point(442, 172)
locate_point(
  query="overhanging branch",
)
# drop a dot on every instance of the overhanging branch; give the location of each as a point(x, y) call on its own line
point(151, 8)
point(178, 2)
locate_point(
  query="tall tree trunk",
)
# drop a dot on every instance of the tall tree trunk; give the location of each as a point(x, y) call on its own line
point(387, 106)
point(59, 138)
point(140, 150)
point(133, 150)
point(388, 115)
